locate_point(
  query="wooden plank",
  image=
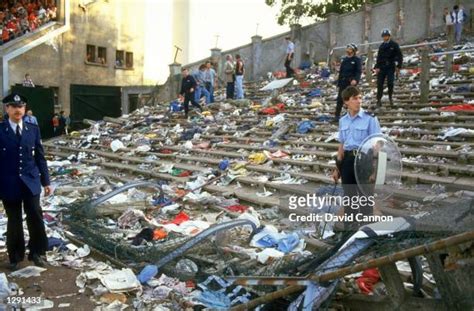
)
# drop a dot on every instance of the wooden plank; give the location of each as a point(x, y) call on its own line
point(328, 154)
point(359, 302)
point(393, 283)
point(331, 144)
point(445, 284)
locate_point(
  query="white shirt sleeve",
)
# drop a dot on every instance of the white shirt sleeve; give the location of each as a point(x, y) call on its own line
point(290, 48)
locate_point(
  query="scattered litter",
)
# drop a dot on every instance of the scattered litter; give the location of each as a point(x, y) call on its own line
point(27, 272)
point(120, 281)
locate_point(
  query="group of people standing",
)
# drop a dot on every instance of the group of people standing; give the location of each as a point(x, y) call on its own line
point(202, 83)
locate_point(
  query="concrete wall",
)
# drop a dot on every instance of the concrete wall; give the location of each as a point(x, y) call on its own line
point(383, 15)
point(349, 28)
point(111, 24)
point(273, 53)
point(315, 40)
point(38, 63)
point(414, 22)
point(409, 20)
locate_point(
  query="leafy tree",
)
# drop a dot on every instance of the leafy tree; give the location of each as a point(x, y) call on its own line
point(291, 11)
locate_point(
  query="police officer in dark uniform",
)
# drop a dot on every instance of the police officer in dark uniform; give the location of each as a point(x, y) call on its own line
point(23, 170)
point(349, 74)
point(354, 128)
point(389, 60)
point(188, 87)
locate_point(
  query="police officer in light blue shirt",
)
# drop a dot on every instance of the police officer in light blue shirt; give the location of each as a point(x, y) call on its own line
point(354, 128)
point(30, 118)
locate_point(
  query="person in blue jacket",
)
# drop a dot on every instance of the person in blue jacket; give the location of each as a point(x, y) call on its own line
point(23, 170)
point(349, 74)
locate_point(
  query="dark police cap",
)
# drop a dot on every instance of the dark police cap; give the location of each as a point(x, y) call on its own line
point(386, 32)
point(15, 99)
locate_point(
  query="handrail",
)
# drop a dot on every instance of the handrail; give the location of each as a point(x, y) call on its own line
point(451, 52)
point(422, 44)
point(331, 52)
point(378, 42)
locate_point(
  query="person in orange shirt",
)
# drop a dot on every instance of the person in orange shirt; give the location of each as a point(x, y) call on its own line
point(32, 21)
point(5, 35)
point(30, 8)
point(55, 124)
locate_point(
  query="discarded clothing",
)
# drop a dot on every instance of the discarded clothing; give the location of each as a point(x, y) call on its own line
point(58, 243)
point(147, 273)
point(179, 219)
point(159, 234)
point(304, 127)
point(257, 158)
point(214, 300)
point(269, 111)
point(369, 278)
point(175, 106)
point(238, 208)
point(224, 164)
point(463, 107)
point(146, 234)
point(189, 134)
point(315, 93)
point(270, 237)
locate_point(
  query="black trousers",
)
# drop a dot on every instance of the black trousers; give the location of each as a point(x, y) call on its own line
point(38, 243)
point(229, 91)
point(339, 101)
point(289, 71)
point(389, 74)
point(189, 97)
point(352, 190)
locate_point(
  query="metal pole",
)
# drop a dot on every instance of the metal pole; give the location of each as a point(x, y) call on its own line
point(448, 63)
point(425, 77)
point(421, 44)
point(369, 65)
point(176, 53)
point(376, 262)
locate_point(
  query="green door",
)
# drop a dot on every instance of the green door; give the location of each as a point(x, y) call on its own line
point(41, 102)
point(94, 102)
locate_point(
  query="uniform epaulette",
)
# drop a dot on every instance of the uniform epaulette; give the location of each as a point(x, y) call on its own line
point(30, 123)
point(370, 113)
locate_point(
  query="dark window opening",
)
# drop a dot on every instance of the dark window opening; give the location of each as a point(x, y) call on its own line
point(120, 58)
point(102, 52)
point(129, 60)
point(90, 56)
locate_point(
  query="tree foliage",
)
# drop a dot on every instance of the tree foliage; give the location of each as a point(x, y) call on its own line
point(291, 11)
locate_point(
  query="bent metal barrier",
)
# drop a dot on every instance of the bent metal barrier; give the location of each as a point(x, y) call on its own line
point(84, 223)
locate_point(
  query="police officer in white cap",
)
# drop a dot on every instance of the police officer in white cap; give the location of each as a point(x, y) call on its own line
point(349, 74)
point(23, 170)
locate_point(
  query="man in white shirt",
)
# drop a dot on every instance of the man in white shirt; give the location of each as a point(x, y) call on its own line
point(457, 16)
point(28, 82)
point(290, 53)
point(229, 76)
